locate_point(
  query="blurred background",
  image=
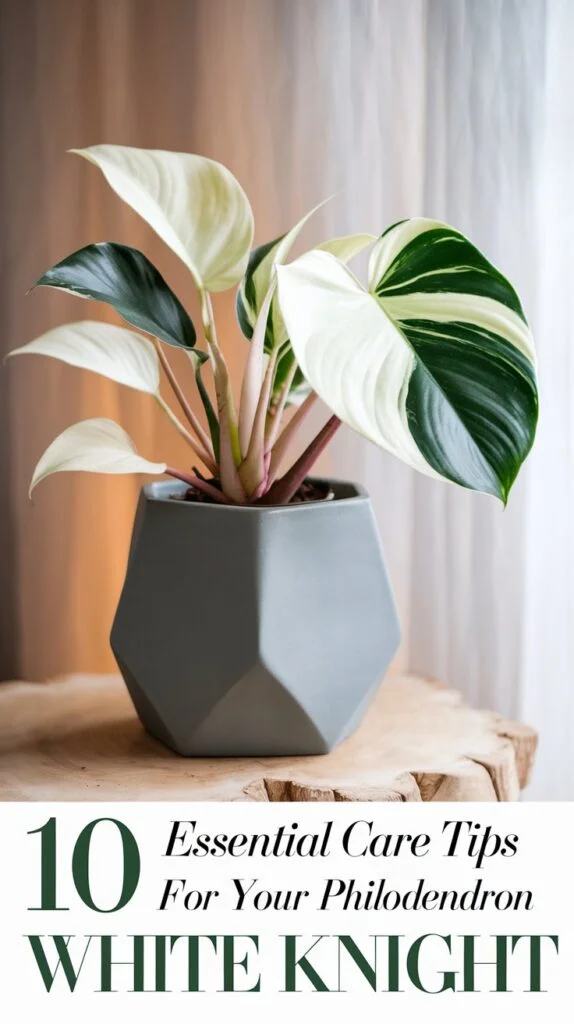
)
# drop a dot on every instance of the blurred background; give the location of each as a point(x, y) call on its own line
point(460, 110)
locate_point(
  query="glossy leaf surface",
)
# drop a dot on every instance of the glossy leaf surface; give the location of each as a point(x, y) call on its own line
point(124, 278)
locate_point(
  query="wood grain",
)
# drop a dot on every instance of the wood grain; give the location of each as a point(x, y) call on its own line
point(79, 739)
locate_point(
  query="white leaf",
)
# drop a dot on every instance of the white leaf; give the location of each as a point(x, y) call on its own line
point(349, 351)
point(194, 204)
point(347, 246)
point(115, 352)
point(344, 248)
point(94, 446)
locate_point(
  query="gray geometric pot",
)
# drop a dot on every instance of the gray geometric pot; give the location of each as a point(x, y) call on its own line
point(254, 631)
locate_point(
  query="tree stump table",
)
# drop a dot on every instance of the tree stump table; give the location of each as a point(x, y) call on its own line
point(80, 739)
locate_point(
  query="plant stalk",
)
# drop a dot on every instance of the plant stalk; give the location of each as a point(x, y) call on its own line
point(283, 490)
point(287, 436)
point(178, 392)
point(229, 449)
point(221, 375)
point(198, 449)
point(228, 471)
point(273, 424)
point(253, 374)
point(252, 470)
point(200, 485)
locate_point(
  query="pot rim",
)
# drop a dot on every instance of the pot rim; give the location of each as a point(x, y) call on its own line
point(162, 491)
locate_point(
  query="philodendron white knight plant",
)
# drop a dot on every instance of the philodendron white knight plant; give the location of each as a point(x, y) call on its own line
point(432, 359)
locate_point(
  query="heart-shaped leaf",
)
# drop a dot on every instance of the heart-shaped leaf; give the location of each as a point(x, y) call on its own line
point(93, 446)
point(435, 363)
point(194, 204)
point(125, 279)
point(112, 351)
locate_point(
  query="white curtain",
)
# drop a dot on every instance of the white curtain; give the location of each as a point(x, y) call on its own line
point(456, 109)
point(463, 111)
point(545, 682)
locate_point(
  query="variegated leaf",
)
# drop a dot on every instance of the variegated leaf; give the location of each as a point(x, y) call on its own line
point(434, 363)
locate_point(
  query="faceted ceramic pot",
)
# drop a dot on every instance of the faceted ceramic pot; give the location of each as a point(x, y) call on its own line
point(254, 631)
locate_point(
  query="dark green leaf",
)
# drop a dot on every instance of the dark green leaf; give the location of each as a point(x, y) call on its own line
point(253, 288)
point(125, 279)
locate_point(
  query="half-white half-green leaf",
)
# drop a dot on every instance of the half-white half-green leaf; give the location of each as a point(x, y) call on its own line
point(194, 204)
point(93, 446)
point(115, 352)
point(435, 362)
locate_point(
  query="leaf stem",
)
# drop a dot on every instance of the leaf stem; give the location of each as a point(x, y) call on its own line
point(283, 490)
point(287, 436)
point(200, 485)
point(254, 373)
point(229, 448)
point(178, 392)
point(211, 415)
point(198, 449)
point(252, 470)
point(220, 373)
point(274, 422)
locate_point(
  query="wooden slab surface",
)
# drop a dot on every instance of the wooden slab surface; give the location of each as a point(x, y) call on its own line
point(80, 739)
